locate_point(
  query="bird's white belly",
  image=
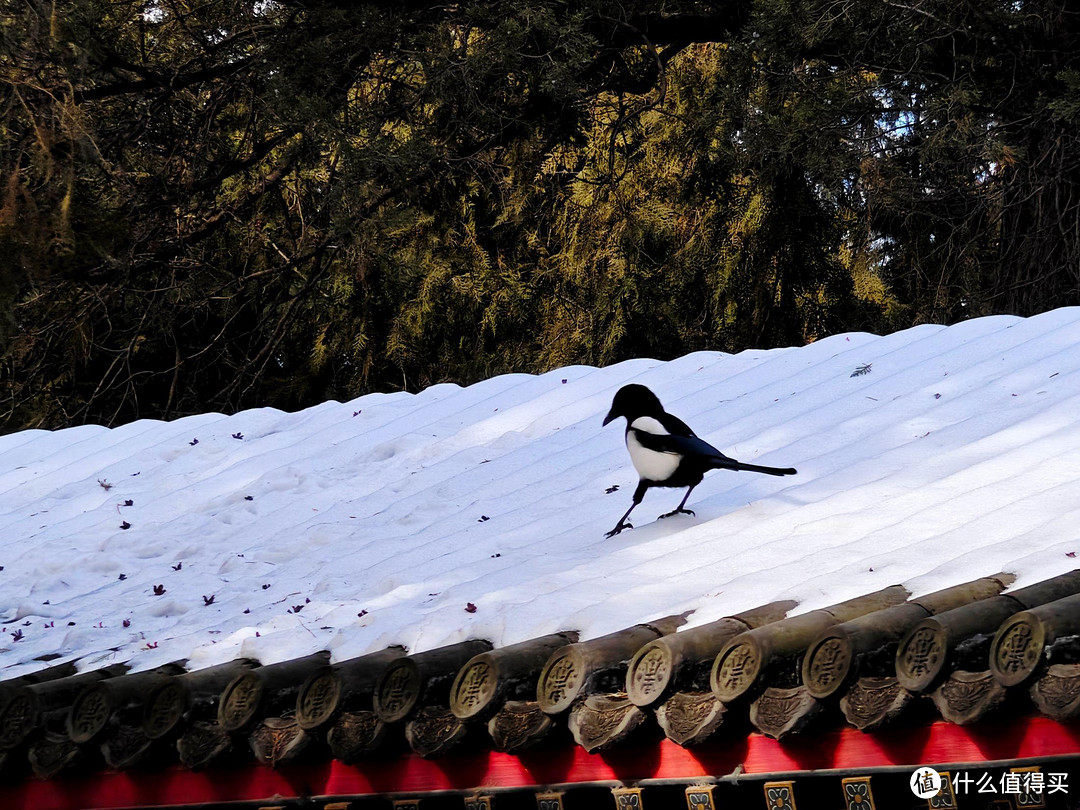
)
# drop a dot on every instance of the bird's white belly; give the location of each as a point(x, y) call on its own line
point(651, 465)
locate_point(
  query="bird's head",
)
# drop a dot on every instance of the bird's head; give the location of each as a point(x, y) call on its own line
point(633, 401)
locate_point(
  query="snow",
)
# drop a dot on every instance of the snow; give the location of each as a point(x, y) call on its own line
point(354, 526)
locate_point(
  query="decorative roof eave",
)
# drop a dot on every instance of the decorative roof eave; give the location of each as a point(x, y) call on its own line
point(1012, 742)
point(461, 699)
point(861, 644)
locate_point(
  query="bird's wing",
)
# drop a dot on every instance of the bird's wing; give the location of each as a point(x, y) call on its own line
point(674, 425)
point(682, 445)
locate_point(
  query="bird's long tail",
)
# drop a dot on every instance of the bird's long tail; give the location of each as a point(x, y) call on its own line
point(731, 464)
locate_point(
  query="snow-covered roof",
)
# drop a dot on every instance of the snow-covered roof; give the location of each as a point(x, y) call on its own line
point(480, 512)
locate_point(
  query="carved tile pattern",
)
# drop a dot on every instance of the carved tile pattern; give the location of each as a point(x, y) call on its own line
point(600, 721)
point(783, 711)
point(778, 707)
point(700, 798)
point(89, 714)
point(857, 793)
point(1025, 799)
point(125, 746)
point(964, 695)
point(434, 730)
point(517, 725)
point(278, 740)
point(1014, 651)
point(604, 720)
point(922, 653)
point(561, 680)
point(830, 663)
point(689, 716)
point(240, 701)
point(872, 701)
point(164, 710)
point(201, 743)
point(319, 699)
point(52, 754)
point(946, 799)
point(1060, 693)
point(737, 670)
point(549, 801)
point(627, 798)
point(17, 718)
point(355, 734)
point(651, 673)
point(780, 795)
point(399, 690)
point(478, 803)
point(476, 687)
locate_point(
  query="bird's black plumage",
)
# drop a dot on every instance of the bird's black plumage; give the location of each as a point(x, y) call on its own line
point(665, 451)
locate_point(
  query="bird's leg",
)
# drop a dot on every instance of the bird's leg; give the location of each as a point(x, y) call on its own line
point(622, 524)
point(639, 493)
point(679, 509)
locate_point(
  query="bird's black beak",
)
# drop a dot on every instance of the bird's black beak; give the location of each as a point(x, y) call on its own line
point(610, 417)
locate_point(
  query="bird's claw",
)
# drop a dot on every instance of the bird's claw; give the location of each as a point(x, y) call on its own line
point(674, 512)
point(618, 528)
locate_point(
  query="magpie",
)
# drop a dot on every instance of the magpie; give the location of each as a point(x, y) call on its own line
point(665, 451)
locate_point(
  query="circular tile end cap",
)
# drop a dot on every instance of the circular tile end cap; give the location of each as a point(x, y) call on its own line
point(736, 668)
point(561, 680)
point(240, 702)
point(1017, 648)
point(398, 691)
point(650, 673)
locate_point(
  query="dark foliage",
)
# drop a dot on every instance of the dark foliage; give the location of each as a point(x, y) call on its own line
point(226, 204)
